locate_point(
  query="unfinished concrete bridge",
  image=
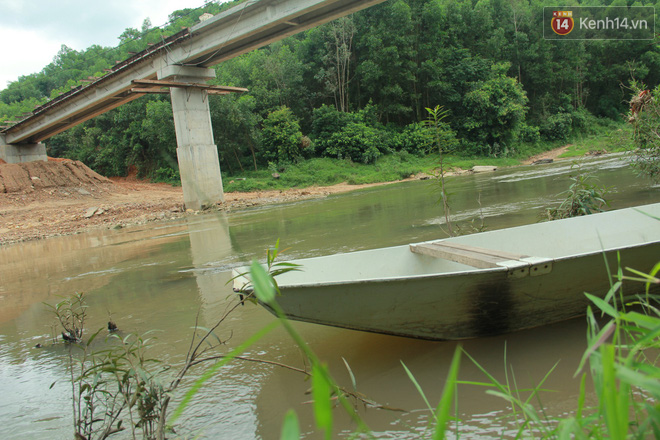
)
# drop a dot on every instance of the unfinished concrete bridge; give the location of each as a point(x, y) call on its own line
point(180, 63)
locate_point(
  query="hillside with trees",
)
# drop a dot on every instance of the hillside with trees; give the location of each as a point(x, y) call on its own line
point(357, 89)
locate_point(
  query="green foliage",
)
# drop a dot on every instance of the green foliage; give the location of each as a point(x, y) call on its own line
point(357, 142)
point(327, 171)
point(646, 132)
point(167, 175)
point(557, 127)
point(354, 136)
point(581, 198)
point(414, 138)
point(529, 134)
point(238, 136)
point(281, 137)
point(495, 109)
point(433, 123)
point(71, 313)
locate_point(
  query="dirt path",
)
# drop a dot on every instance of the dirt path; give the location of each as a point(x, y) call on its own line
point(552, 154)
point(62, 197)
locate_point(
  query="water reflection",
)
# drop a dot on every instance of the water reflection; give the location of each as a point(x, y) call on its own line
point(168, 275)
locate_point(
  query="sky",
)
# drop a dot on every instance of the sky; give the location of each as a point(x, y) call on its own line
point(33, 31)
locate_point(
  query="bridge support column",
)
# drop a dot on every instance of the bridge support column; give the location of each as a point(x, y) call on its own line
point(19, 153)
point(197, 153)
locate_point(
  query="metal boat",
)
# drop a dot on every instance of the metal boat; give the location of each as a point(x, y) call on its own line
point(475, 285)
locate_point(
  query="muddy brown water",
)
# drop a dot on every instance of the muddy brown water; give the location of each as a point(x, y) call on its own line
point(161, 276)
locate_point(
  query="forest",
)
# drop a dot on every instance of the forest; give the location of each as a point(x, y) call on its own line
point(358, 88)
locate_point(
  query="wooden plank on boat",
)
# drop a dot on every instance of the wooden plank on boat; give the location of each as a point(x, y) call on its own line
point(470, 255)
point(495, 253)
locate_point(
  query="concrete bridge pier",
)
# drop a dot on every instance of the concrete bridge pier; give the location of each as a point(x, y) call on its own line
point(197, 153)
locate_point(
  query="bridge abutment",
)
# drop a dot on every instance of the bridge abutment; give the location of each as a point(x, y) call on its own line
point(197, 153)
point(19, 153)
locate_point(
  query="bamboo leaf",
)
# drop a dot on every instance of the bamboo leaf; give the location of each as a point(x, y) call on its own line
point(638, 379)
point(263, 283)
point(617, 423)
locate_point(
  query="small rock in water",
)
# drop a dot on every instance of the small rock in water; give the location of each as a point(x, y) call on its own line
point(483, 168)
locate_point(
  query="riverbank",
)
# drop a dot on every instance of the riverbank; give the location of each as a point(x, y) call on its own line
point(49, 205)
point(120, 202)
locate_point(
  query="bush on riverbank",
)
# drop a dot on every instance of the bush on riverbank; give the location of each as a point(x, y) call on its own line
point(402, 164)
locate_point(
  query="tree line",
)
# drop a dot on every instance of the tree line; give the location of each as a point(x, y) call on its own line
point(358, 88)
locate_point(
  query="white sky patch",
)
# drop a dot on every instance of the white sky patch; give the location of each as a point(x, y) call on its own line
point(33, 31)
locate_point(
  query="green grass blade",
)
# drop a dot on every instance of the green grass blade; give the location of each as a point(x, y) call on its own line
point(616, 421)
point(442, 412)
point(419, 388)
point(322, 406)
point(350, 372)
point(290, 428)
point(604, 306)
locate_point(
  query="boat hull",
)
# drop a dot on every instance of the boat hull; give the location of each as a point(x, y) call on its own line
point(398, 292)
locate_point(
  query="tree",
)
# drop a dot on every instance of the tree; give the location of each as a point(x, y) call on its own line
point(236, 130)
point(282, 139)
point(495, 110)
point(337, 61)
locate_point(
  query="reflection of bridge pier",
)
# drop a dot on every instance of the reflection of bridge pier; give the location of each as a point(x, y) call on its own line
point(210, 243)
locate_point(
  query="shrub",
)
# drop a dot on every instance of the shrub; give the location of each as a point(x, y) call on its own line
point(353, 136)
point(557, 127)
point(281, 136)
point(356, 141)
point(167, 175)
point(529, 133)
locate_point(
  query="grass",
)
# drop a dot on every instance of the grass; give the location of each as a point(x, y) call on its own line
point(612, 142)
point(327, 171)
point(401, 165)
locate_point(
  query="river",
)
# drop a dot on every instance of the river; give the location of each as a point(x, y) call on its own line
point(161, 276)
